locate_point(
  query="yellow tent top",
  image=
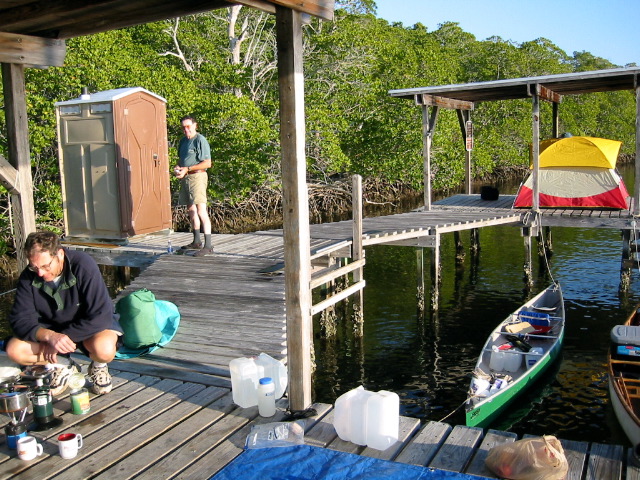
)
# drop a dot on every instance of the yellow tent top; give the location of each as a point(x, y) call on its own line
point(579, 152)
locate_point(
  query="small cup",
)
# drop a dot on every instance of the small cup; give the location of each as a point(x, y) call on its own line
point(69, 444)
point(29, 448)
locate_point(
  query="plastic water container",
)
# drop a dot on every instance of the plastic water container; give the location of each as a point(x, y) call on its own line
point(368, 418)
point(496, 362)
point(384, 409)
point(246, 372)
point(266, 400)
point(533, 356)
point(497, 385)
point(512, 361)
point(480, 387)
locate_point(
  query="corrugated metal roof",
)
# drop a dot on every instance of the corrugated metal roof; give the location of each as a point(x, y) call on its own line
point(108, 96)
point(563, 84)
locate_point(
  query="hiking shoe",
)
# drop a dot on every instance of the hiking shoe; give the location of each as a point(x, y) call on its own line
point(100, 378)
point(59, 380)
point(192, 246)
point(204, 252)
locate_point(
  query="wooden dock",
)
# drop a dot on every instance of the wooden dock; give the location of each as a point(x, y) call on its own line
point(171, 413)
point(150, 427)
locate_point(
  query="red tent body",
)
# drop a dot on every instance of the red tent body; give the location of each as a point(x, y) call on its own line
point(589, 187)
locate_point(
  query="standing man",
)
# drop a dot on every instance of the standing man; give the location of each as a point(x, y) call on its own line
point(62, 303)
point(194, 158)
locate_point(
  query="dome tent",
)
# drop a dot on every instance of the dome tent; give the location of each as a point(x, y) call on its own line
point(576, 172)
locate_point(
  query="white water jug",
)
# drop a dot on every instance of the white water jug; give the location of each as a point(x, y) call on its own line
point(368, 418)
point(533, 356)
point(383, 411)
point(496, 362)
point(512, 360)
point(246, 372)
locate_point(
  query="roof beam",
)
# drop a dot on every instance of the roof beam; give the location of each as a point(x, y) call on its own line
point(444, 102)
point(544, 93)
point(258, 4)
point(317, 8)
point(31, 51)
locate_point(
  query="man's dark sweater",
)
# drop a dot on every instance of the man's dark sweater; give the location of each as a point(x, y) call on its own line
point(79, 306)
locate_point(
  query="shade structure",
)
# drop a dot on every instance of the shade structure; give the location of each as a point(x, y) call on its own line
point(589, 187)
point(579, 152)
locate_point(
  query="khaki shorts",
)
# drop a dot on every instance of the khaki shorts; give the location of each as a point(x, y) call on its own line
point(193, 189)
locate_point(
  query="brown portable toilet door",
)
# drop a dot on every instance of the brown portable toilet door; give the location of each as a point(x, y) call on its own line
point(144, 163)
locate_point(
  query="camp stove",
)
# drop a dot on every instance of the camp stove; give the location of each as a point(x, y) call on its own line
point(41, 398)
point(14, 403)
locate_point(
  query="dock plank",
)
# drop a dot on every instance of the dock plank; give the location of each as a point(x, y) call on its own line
point(157, 418)
point(605, 461)
point(406, 429)
point(458, 448)
point(576, 454)
point(217, 406)
point(423, 447)
point(491, 439)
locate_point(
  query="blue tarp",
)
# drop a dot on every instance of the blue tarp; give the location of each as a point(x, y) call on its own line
point(168, 319)
point(304, 462)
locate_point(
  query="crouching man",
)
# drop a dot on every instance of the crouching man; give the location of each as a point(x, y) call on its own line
point(61, 304)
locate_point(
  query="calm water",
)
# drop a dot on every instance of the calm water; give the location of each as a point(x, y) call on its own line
point(427, 358)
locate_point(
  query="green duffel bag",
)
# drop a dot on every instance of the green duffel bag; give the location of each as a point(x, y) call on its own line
point(138, 319)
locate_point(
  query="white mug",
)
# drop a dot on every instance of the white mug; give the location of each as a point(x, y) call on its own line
point(28, 448)
point(69, 444)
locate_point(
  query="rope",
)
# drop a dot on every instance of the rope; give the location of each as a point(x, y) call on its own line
point(8, 291)
point(544, 248)
point(452, 412)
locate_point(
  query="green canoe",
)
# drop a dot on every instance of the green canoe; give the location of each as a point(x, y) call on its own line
point(516, 354)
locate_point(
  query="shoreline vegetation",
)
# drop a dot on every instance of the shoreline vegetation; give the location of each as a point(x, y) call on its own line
point(328, 202)
point(220, 67)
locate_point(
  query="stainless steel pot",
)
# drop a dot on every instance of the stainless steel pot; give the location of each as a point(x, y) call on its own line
point(11, 402)
point(9, 374)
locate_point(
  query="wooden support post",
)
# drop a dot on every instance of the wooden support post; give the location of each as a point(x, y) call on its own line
point(528, 257)
point(435, 274)
point(428, 126)
point(625, 265)
point(548, 241)
point(357, 253)
point(23, 209)
point(459, 248)
point(464, 116)
point(636, 190)
point(297, 258)
point(556, 120)
point(328, 318)
point(475, 240)
point(420, 294)
point(545, 247)
point(535, 147)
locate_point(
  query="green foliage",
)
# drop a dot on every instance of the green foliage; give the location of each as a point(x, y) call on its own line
point(352, 124)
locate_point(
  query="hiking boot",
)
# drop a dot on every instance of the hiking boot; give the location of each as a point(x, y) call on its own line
point(60, 378)
point(204, 252)
point(100, 378)
point(192, 246)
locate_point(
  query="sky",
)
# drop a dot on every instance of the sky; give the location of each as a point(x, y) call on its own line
point(606, 28)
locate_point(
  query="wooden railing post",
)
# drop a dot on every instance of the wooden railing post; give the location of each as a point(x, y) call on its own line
point(295, 202)
point(23, 208)
point(357, 253)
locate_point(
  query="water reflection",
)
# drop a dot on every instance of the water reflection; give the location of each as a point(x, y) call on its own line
point(427, 358)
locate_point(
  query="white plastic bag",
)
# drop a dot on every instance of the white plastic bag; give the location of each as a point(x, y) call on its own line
point(275, 434)
point(537, 458)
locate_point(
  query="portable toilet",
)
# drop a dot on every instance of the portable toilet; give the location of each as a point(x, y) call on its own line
point(114, 164)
